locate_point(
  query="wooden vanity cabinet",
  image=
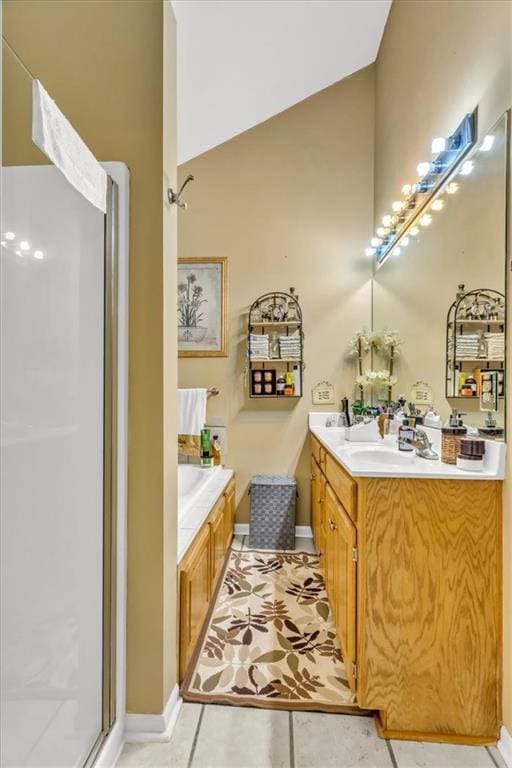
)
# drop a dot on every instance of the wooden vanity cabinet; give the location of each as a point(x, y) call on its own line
point(199, 573)
point(413, 573)
point(195, 594)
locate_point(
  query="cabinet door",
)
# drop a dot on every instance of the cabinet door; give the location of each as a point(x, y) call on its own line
point(329, 512)
point(317, 504)
point(218, 538)
point(229, 515)
point(195, 591)
point(344, 584)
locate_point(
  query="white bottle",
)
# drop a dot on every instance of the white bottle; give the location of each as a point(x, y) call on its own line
point(432, 419)
point(296, 381)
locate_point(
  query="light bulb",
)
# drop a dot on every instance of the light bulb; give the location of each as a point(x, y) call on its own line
point(369, 251)
point(3, 243)
point(19, 253)
point(397, 206)
point(24, 245)
point(381, 231)
point(376, 241)
point(396, 251)
point(38, 255)
point(487, 143)
point(438, 145)
point(406, 189)
point(438, 205)
point(404, 242)
point(425, 220)
point(10, 235)
point(467, 167)
point(414, 231)
point(452, 188)
point(423, 169)
point(386, 220)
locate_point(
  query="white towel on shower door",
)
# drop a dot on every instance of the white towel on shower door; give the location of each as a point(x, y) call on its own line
point(191, 411)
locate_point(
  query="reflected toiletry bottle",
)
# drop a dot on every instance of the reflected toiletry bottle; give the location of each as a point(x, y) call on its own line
point(432, 419)
point(451, 435)
point(216, 457)
point(280, 385)
point(405, 436)
point(206, 458)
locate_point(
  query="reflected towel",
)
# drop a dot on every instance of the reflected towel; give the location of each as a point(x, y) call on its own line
point(191, 420)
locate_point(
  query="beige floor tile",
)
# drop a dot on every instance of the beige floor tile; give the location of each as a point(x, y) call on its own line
point(305, 545)
point(242, 737)
point(172, 754)
point(414, 754)
point(337, 741)
point(238, 542)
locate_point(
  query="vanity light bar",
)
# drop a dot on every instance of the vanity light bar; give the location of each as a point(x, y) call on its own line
point(432, 175)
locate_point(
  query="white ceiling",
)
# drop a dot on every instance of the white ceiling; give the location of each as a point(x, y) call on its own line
point(242, 61)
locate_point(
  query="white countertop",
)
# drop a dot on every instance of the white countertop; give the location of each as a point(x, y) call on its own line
point(376, 459)
point(193, 519)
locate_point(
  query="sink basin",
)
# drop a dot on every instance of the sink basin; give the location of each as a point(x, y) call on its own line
point(381, 457)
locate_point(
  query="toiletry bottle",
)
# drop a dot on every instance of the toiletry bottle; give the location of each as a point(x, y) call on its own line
point(432, 419)
point(216, 451)
point(280, 385)
point(451, 435)
point(206, 459)
point(288, 385)
point(296, 381)
point(405, 436)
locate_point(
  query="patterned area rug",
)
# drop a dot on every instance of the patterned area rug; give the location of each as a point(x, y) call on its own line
point(270, 639)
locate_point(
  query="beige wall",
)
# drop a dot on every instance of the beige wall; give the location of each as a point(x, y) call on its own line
point(289, 202)
point(103, 64)
point(436, 62)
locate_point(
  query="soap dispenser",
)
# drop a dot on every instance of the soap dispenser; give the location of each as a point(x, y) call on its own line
point(451, 435)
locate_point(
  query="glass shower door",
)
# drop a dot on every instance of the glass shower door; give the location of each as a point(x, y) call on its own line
point(54, 686)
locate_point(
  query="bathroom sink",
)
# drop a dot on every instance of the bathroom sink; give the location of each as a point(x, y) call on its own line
point(375, 457)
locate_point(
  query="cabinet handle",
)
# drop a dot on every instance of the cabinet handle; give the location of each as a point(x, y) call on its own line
point(332, 525)
point(320, 500)
point(313, 477)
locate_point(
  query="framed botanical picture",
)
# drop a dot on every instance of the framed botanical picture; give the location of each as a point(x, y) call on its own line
point(203, 307)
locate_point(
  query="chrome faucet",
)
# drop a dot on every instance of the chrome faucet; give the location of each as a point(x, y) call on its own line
point(423, 445)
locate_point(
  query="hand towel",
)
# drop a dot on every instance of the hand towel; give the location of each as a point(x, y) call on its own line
point(191, 420)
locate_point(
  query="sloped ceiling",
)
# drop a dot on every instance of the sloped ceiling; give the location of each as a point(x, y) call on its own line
point(243, 61)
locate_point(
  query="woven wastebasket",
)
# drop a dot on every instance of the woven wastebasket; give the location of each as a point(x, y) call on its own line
point(273, 500)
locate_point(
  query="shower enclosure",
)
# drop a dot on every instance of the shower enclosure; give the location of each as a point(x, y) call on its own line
point(58, 422)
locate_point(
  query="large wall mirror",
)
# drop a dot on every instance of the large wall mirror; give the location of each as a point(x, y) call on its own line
point(461, 242)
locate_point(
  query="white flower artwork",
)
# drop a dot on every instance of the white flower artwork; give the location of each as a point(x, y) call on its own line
point(202, 307)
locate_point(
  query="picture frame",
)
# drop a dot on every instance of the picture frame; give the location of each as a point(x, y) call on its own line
point(202, 306)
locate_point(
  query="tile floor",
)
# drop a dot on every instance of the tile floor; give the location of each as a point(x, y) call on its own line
point(210, 736)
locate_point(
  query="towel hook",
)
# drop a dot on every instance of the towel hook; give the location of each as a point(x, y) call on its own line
point(174, 197)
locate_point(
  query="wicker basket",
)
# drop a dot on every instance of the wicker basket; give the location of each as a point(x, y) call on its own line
point(273, 501)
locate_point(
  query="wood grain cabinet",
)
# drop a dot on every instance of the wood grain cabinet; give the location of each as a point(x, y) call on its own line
point(199, 573)
point(413, 572)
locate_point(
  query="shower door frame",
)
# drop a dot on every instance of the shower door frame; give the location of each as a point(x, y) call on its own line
point(110, 505)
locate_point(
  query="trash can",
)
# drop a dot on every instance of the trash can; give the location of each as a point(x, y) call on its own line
point(273, 501)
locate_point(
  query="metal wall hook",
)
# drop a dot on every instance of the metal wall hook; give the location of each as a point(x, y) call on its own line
point(174, 197)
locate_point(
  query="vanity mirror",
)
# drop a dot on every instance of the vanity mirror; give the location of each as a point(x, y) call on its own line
point(454, 257)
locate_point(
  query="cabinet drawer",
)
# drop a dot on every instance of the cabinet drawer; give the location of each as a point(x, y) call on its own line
point(317, 451)
point(343, 485)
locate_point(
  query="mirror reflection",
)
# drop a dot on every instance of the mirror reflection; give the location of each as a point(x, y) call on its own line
point(445, 292)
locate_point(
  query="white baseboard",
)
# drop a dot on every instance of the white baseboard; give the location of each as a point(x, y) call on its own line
point(154, 727)
point(302, 531)
point(505, 746)
point(111, 749)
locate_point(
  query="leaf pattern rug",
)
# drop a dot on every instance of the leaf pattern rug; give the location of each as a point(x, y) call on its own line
point(270, 640)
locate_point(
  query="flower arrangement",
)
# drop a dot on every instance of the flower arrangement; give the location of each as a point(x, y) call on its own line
point(189, 302)
point(384, 341)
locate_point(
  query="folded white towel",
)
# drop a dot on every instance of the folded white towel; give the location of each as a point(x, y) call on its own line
point(55, 136)
point(191, 411)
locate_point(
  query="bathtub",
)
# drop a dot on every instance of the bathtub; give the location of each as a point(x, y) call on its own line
point(192, 481)
point(198, 491)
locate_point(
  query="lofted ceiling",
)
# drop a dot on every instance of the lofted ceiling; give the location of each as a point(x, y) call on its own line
point(243, 61)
